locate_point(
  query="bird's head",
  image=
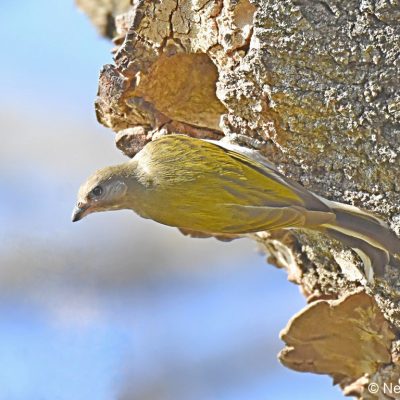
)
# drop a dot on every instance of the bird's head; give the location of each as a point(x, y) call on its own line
point(103, 191)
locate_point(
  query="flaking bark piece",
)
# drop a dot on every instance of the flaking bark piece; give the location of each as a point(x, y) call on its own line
point(345, 338)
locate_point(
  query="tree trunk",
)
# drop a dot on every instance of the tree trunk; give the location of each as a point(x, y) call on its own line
point(315, 87)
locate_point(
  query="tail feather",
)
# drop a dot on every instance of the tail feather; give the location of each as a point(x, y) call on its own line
point(368, 235)
point(374, 259)
point(366, 227)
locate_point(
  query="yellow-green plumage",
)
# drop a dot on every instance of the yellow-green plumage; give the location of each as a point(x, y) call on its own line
point(207, 188)
point(200, 186)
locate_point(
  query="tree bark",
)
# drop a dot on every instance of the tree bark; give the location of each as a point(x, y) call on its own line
point(315, 87)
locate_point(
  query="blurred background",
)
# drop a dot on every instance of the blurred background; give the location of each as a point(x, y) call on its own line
point(114, 307)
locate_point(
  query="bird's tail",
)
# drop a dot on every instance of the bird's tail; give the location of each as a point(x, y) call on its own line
point(368, 235)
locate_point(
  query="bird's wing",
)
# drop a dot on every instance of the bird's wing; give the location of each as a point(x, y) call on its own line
point(299, 194)
point(175, 159)
point(256, 219)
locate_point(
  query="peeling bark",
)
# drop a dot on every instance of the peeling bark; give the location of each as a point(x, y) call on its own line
point(313, 85)
point(345, 338)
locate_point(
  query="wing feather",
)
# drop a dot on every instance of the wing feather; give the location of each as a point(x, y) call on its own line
point(178, 159)
point(256, 219)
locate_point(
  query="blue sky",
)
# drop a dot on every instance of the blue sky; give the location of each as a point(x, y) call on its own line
point(114, 307)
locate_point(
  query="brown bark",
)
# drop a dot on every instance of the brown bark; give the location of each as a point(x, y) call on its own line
point(313, 85)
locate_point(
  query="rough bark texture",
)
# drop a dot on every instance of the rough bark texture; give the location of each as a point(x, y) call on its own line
point(313, 85)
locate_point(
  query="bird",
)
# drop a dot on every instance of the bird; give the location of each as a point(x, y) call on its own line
point(206, 189)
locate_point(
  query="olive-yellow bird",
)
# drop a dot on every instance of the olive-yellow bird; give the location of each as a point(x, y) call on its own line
point(202, 187)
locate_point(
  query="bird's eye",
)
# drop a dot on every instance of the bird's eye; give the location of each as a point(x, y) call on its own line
point(97, 191)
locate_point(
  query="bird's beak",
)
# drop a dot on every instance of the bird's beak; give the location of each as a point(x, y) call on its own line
point(80, 211)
